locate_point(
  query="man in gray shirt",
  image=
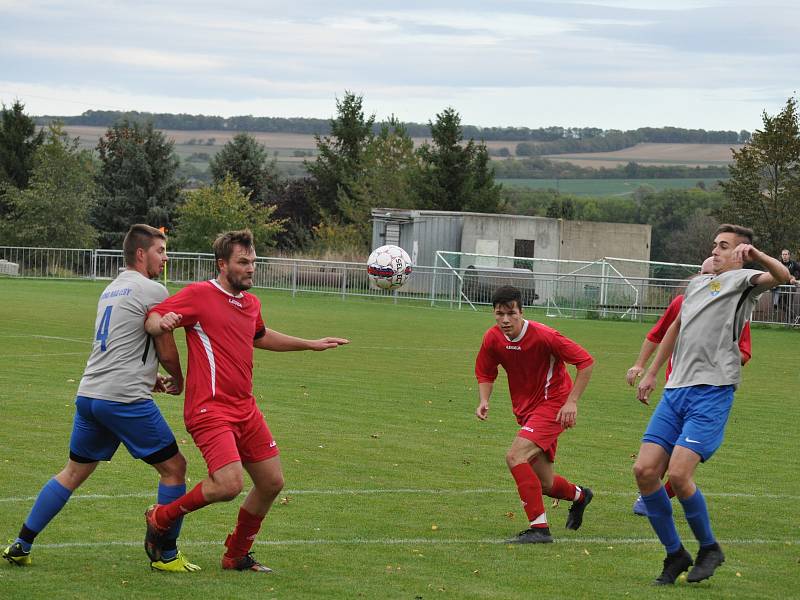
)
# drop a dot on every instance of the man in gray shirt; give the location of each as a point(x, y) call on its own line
point(688, 424)
point(114, 402)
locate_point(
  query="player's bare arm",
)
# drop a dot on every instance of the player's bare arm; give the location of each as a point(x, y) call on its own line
point(637, 370)
point(157, 324)
point(484, 393)
point(280, 342)
point(169, 358)
point(648, 382)
point(777, 273)
point(568, 414)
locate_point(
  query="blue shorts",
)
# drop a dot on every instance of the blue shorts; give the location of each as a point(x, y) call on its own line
point(100, 425)
point(693, 417)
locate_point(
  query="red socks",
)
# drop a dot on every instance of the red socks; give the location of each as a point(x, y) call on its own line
point(189, 502)
point(563, 489)
point(530, 492)
point(244, 534)
point(669, 490)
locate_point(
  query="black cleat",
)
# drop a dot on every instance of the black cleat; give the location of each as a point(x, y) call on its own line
point(534, 535)
point(674, 565)
point(707, 561)
point(575, 516)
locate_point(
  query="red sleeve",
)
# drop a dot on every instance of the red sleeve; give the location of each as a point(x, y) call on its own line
point(261, 329)
point(744, 344)
point(659, 330)
point(485, 363)
point(570, 352)
point(184, 303)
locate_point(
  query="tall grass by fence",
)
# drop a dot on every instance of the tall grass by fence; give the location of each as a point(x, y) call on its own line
point(598, 290)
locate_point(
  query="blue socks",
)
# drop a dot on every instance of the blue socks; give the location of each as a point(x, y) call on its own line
point(167, 494)
point(49, 502)
point(659, 511)
point(696, 511)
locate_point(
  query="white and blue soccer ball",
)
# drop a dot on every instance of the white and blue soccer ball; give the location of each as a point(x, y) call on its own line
point(389, 267)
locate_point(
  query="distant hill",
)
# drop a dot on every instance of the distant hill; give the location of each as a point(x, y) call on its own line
point(544, 140)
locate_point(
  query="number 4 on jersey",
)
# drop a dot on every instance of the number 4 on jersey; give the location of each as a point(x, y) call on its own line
point(102, 330)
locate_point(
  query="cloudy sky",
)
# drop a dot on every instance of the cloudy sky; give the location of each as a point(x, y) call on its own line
point(601, 63)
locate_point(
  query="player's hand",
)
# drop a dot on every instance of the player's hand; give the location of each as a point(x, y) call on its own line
point(633, 374)
point(159, 386)
point(568, 414)
point(746, 253)
point(173, 386)
point(646, 387)
point(482, 412)
point(170, 321)
point(327, 343)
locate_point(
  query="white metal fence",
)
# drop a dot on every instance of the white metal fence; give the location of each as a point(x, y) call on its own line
point(608, 288)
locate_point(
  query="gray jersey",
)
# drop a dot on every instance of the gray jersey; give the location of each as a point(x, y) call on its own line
point(715, 309)
point(123, 364)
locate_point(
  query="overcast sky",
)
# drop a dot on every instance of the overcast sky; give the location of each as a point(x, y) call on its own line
point(601, 63)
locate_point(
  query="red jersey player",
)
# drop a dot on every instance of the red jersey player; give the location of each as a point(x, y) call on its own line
point(223, 323)
point(651, 342)
point(544, 401)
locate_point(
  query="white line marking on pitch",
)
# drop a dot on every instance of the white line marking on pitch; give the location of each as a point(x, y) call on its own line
point(419, 542)
point(422, 492)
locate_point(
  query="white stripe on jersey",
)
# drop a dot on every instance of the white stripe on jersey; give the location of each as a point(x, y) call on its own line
point(549, 379)
point(212, 367)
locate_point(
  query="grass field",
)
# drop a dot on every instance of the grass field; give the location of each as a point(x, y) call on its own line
point(604, 187)
point(654, 154)
point(394, 489)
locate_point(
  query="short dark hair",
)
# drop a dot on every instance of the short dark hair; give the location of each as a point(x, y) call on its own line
point(507, 295)
point(743, 232)
point(223, 245)
point(139, 236)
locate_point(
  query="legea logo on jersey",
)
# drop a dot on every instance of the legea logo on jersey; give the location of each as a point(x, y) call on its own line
point(510, 347)
point(714, 287)
point(235, 302)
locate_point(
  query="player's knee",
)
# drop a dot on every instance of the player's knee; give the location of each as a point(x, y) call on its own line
point(175, 467)
point(514, 458)
point(231, 489)
point(645, 473)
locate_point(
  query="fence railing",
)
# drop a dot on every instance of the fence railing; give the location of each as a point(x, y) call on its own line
point(593, 291)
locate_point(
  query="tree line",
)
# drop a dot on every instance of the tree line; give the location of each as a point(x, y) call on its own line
point(569, 137)
point(542, 168)
point(53, 193)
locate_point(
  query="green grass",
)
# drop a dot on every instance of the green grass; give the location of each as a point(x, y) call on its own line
point(604, 187)
point(360, 429)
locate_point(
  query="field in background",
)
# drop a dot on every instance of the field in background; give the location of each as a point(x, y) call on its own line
point(604, 187)
point(291, 149)
point(393, 488)
point(654, 154)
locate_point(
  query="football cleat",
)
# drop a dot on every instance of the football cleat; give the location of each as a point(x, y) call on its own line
point(674, 565)
point(179, 564)
point(639, 508)
point(534, 535)
point(707, 561)
point(244, 563)
point(154, 537)
point(575, 516)
point(16, 555)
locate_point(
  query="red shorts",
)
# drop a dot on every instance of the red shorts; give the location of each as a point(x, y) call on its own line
point(224, 441)
point(541, 428)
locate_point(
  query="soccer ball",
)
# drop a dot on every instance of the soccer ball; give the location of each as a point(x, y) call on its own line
point(389, 267)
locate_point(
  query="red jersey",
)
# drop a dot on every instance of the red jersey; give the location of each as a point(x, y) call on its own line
point(659, 330)
point(220, 330)
point(534, 363)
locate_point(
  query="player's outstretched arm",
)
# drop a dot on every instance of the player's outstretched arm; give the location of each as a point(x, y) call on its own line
point(280, 342)
point(638, 367)
point(648, 382)
point(484, 393)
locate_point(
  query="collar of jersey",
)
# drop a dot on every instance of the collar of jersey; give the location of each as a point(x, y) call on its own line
point(521, 333)
point(224, 291)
